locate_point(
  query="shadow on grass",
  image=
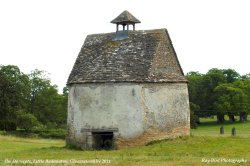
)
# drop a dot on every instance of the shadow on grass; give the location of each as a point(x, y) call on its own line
point(214, 123)
point(168, 139)
point(66, 147)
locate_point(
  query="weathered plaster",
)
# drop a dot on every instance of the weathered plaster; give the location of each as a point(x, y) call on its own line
point(148, 111)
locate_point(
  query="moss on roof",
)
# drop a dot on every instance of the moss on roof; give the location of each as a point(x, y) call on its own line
point(146, 56)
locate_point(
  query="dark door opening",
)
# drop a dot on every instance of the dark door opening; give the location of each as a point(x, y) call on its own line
point(103, 140)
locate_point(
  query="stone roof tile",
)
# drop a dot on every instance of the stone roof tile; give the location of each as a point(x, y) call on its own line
point(146, 56)
point(125, 17)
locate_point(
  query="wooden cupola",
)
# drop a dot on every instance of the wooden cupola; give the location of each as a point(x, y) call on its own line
point(125, 19)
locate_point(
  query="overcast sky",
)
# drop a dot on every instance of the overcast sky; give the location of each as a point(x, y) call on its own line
point(48, 34)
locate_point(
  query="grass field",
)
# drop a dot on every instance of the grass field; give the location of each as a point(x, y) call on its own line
point(209, 127)
point(204, 144)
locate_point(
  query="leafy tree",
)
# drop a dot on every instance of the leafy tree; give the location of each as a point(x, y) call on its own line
point(28, 100)
point(201, 88)
point(231, 75)
point(46, 104)
point(195, 87)
point(194, 119)
point(230, 99)
point(245, 87)
point(213, 78)
point(65, 91)
point(26, 120)
point(245, 77)
point(39, 81)
point(51, 109)
point(14, 91)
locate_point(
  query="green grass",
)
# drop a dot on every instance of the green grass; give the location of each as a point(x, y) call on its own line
point(49, 133)
point(204, 143)
point(209, 127)
point(181, 151)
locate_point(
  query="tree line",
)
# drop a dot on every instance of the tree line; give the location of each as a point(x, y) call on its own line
point(30, 101)
point(219, 92)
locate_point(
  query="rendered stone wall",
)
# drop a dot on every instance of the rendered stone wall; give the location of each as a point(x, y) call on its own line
point(140, 112)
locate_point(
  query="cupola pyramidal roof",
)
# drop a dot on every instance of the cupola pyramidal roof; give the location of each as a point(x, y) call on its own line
point(125, 18)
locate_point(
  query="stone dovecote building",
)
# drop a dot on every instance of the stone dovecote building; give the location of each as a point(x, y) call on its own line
point(126, 88)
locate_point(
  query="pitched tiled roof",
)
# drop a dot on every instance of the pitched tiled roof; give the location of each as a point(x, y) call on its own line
point(125, 17)
point(146, 56)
